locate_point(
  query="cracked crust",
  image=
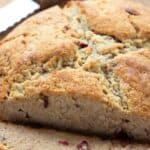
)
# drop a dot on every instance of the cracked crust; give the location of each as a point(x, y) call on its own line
point(134, 19)
point(68, 63)
point(134, 69)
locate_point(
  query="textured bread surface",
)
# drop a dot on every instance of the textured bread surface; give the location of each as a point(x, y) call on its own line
point(16, 137)
point(80, 67)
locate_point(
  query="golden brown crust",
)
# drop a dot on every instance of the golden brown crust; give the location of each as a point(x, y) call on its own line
point(69, 81)
point(76, 83)
point(134, 69)
point(40, 37)
point(38, 40)
point(121, 19)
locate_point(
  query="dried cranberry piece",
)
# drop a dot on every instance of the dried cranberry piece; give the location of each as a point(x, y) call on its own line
point(83, 145)
point(124, 143)
point(27, 116)
point(63, 142)
point(45, 100)
point(66, 27)
point(83, 44)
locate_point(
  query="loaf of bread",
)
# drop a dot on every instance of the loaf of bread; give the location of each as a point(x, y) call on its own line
point(17, 137)
point(84, 66)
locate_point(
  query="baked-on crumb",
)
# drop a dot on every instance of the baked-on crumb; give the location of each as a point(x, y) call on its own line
point(80, 67)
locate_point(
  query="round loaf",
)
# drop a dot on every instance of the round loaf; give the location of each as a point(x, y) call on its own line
point(84, 67)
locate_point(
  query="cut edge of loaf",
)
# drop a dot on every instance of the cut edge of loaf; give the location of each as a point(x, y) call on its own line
point(88, 116)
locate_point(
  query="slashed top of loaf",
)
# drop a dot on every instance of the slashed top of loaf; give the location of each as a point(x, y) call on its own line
point(96, 49)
